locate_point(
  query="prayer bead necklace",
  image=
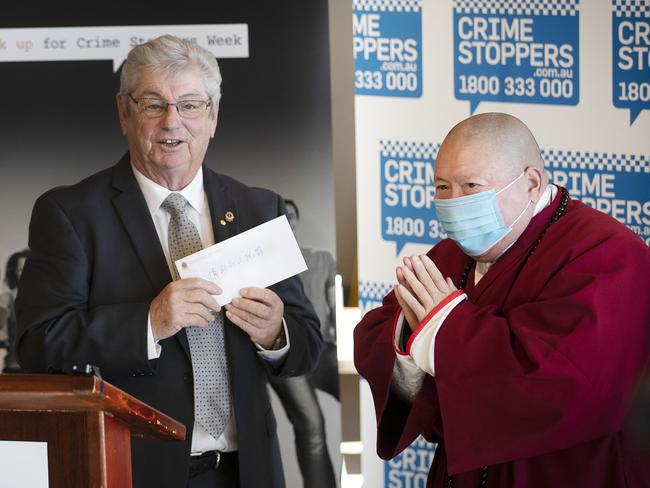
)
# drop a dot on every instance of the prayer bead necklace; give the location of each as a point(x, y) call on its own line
point(559, 212)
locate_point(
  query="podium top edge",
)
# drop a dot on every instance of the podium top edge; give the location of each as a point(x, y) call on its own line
point(79, 393)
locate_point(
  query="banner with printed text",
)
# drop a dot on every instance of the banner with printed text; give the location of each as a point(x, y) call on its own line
point(576, 72)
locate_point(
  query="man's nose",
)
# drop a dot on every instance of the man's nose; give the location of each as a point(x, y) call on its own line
point(171, 118)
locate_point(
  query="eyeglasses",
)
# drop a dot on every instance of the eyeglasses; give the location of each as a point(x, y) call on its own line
point(188, 109)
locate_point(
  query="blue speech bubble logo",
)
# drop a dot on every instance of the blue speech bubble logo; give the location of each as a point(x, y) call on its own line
point(387, 48)
point(616, 184)
point(407, 193)
point(505, 53)
point(631, 57)
point(411, 466)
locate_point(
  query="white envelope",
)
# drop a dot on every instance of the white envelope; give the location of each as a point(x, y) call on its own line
point(259, 257)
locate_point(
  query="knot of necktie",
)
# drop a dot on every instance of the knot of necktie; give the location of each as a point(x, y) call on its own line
point(175, 204)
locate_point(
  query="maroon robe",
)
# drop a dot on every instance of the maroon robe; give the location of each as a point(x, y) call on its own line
point(534, 373)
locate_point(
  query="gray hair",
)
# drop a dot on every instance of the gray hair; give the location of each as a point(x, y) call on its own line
point(173, 55)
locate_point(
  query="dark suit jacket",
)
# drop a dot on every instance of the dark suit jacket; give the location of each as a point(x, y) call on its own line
point(96, 263)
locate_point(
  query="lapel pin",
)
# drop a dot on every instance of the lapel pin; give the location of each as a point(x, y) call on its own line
point(229, 216)
point(222, 222)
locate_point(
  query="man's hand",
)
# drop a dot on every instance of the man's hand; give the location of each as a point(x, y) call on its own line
point(259, 313)
point(420, 288)
point(183, 303)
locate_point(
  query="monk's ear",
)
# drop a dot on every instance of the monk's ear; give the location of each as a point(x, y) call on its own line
point(535, 181)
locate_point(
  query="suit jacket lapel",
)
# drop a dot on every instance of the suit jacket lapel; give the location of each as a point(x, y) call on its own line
point(223, 211)
point(132, 210)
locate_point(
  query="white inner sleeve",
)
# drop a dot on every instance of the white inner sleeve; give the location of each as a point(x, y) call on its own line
point(407, 376)
point(423, 344)
point(409, 370)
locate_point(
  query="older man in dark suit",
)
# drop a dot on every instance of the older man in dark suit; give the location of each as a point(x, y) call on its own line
point(100, 286)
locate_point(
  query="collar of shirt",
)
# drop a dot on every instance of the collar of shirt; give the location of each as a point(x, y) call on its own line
point(198, 211)
point(155, 194)
point(545, 200)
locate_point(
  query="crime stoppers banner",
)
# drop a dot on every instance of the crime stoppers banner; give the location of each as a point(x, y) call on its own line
point(576, 72)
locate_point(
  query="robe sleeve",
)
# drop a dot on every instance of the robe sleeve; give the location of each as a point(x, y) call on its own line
point(556, 365)
point(398, 421)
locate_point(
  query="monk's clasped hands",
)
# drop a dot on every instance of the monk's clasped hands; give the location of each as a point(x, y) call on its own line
point(420, 288)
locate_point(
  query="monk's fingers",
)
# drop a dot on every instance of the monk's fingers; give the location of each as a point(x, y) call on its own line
point(438, 280)
point(451, 284)
point(409, 315)
point(408, 263)
point(418, 289)
point(423, 275)
point(400, 276)
point(403, 305)
point(401, 279)
point(412, 302)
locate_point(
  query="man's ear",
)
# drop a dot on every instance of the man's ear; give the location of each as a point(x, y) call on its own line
point(535, 180)
point(213, 118)
point(122, 112)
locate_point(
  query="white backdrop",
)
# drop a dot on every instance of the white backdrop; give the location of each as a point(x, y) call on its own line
point(577, 73)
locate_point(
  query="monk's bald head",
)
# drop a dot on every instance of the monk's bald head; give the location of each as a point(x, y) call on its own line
point(504, 141)
point(493, 152)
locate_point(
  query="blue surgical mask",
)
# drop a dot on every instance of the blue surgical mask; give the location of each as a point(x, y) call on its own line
point(475, 222)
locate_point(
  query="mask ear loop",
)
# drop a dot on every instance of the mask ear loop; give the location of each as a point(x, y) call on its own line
point(512, 182)
point(527, 205)
point(520, 215)
point(514, 222)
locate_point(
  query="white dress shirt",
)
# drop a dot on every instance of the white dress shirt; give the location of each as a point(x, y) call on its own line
point(199, 213)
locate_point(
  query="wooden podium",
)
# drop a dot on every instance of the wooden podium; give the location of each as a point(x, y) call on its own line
point(86, 422)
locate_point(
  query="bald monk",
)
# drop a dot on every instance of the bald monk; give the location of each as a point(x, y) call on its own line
point(517, 343)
